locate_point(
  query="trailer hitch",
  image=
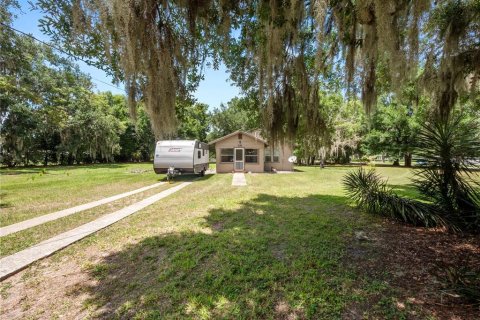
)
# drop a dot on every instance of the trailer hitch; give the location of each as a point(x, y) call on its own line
point(171, 173)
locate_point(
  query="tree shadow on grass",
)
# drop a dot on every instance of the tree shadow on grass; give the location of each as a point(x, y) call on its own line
point(13, 172)
point(273, 257)
point(3, 203)
point(55, 168)
point(187, 177)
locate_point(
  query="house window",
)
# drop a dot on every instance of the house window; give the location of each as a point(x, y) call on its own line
point(272, 158)
point(226, 155)
point(199, 154)
point(251, 155)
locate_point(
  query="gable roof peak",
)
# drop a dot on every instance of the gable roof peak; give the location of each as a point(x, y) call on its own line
point(249, 134)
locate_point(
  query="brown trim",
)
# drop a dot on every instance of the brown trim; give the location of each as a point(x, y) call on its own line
point(237, 132)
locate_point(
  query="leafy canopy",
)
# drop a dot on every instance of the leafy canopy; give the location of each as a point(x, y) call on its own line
point(281, 50)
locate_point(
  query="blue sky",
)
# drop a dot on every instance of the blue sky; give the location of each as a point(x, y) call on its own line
point(213, 90)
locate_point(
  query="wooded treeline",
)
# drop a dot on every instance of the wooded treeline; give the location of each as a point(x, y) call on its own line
point(50, 114)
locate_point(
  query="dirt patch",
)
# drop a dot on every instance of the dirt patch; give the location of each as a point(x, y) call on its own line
point(284, 311)
point(26, 298)
point(140, 171)
point(278, 251)
point(218, 226)
point(416, 263)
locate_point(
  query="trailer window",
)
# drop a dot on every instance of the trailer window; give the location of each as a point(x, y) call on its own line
point(199, 154)
point(226, 155)
point(251, 155)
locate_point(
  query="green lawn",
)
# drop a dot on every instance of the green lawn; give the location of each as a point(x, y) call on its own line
point(276, 248)
point(29, 192)
point(26, 238)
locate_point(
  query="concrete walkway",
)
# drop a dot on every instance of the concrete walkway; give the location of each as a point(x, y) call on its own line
point(4, 231)
point(18, 261)
point(238, 179)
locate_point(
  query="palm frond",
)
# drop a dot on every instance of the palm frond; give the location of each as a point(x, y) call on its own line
point(371, 193)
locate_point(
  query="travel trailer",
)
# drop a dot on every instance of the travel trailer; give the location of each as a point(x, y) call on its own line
point(181, 156)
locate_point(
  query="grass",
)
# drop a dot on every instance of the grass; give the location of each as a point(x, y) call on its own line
point(21, 240)
point(273, 249)
point(251, 253)
point(29, 192)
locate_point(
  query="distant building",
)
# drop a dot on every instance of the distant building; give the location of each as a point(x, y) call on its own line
point(247, 151)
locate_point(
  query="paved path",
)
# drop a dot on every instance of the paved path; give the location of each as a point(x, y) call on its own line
point(238, 179)
point(18, 261)
point(4, 231)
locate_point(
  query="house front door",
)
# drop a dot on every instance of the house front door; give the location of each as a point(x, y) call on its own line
point(239, 159)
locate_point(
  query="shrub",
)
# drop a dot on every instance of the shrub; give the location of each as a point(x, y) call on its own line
point(450, 146)
point(452, 197)
point(371, 193)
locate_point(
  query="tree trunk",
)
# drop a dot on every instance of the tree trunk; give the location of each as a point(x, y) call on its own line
point(70, 159)
point(408, 159)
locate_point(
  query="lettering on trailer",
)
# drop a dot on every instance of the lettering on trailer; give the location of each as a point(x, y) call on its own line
point(174, 149)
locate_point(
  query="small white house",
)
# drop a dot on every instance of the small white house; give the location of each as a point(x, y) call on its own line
point(242, 151)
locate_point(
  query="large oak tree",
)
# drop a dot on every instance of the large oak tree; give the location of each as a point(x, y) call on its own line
point(280, 49)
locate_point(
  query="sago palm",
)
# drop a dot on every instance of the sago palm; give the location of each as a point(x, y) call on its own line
point(450, 147)
point(447, 183)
